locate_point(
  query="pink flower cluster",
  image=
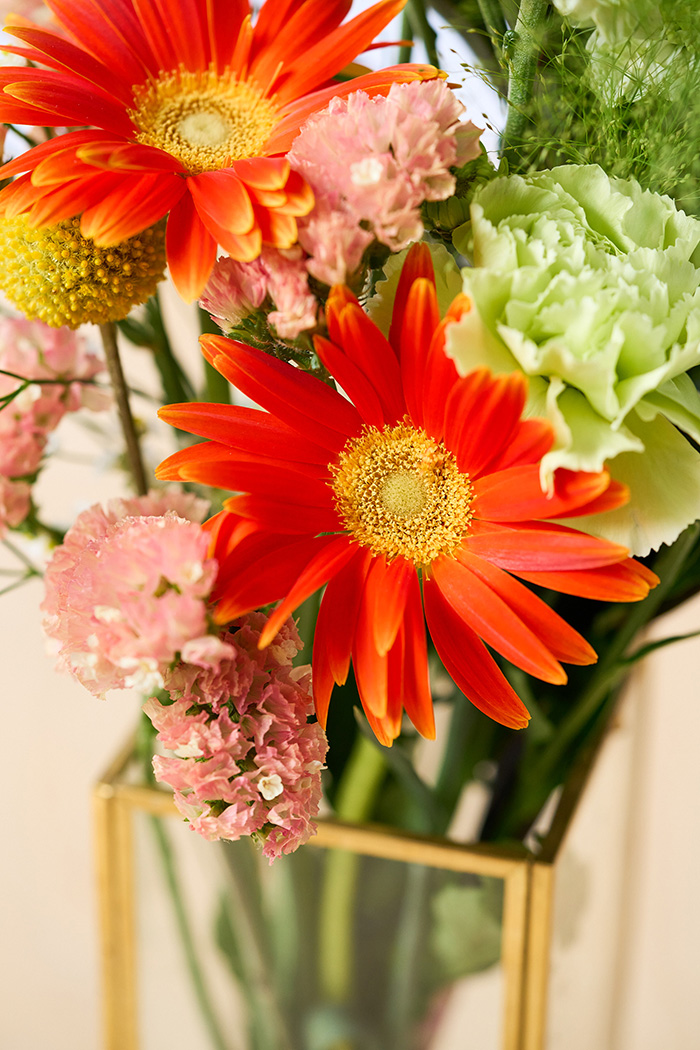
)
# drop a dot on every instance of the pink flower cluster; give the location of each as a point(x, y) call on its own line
point(375, 160)
point(34, 351)
point(235, 289)
point(127, 592)
point(245, 761)
point(371, 162)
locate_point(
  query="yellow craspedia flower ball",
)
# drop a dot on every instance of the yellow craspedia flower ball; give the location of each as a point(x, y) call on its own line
point(62, 278)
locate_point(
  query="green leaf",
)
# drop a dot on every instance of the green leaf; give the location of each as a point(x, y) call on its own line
point(466, 936)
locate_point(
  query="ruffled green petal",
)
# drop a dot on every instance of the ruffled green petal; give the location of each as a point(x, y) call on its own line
point(664, 483)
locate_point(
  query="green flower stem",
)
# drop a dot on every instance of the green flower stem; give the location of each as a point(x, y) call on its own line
point(31, 568)
point(176, 385)
point(407, 956)
point(523, 66)
point(469, 739)
point(406, 32)
point(418, 20)
point(358, 788)
point(495, 23)
point(201, 991)
point(268, 1024)
point(121, 395)
point(24, 578)
point(467, 19)
point(145, 739)
point(536, 780)
point(23, 135)
point(217, 387)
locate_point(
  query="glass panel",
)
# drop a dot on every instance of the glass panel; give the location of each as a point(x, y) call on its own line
point(323, 950)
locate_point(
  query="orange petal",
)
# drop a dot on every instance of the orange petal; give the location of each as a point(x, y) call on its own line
point(222, 196)
point(356, 385)
point(627, 581)
point(329, 54)
point(191, 249)
point(139, 202)
point(367, 347)
point(540, 547)
point(55, 51)
point(225, 20)
point(377, 83)
point(562, 640)
point(418, 263)
point(482, 417)
point(261, 569)
point(335, 629)
point(386, 594)
point(515, 494)
point(248, 429)
point(417, 698)
point(421, 318)
point(469, 664)
point(335, 552)
point(66, 102)
point(300, 400)
point(493, 619)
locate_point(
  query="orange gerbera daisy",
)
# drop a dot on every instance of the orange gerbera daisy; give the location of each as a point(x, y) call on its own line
point(191, 106)
point(420, 473)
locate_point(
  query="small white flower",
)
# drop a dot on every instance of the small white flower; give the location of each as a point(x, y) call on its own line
point(146, 677)
point(108, 614)
point(190, 749)
point(270, 787)
point(366, 172)
point(192, 572)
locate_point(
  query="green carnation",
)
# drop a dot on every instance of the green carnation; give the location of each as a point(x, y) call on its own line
point(591, 286)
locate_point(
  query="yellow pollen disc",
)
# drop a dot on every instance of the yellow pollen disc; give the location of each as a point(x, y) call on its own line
point(60, 277)
point(401, 493)
point(203, 119)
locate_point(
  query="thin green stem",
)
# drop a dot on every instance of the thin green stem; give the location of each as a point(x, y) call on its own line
point(406, 32)
point(468, 740)
point(145, 740)
point(47, 382)
point(22, 134)
point(418, 19)
point(186, 939)
point(525, 50)
point(32, 569)
point(495, 23)
point(268, 1023)
point(121, 396)
point(17, 583)
point(360, 783)
point(406, 956)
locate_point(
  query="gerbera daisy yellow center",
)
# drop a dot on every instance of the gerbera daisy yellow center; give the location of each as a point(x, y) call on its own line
point(203, 119)
point(401, 493)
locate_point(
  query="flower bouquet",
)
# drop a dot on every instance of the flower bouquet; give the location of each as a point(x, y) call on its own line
point(449, 422)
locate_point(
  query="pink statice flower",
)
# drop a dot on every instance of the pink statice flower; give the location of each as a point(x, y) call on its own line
point(276, 279)
point(234, 290)
point(128, 590)
point(244, 758)
point(30, 410)
point(15, 503)
point(334, 241)
point(378, 159)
